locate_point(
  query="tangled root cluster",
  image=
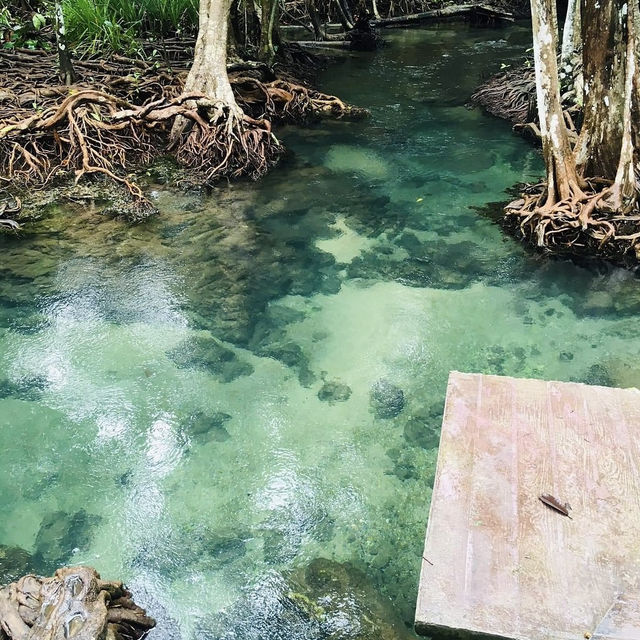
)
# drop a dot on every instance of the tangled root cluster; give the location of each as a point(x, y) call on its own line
point(585, 224)
point(115, 119)
point(286, 101)
point(509, 95)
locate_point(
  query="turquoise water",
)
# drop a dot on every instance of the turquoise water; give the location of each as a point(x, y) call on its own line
point(235, 407)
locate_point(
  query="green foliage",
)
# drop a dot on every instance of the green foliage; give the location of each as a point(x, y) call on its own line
point(117, 25)
point(30, 34)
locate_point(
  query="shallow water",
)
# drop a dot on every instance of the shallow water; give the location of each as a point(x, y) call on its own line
point(235, 407)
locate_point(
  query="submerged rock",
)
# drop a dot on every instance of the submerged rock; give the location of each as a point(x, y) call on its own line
point(326, 599)
point(404, 464)
point(344, 601)
point(333, 391)
point(14, 562)
point(599, 375)
point(208, 426)
point(25, 388)
point(60, 534)
point(208, 353)
point(386, 400)
point(423, 428)
point(225, 550)
point(270, 340)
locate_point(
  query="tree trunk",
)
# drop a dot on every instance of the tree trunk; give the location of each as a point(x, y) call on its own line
point(346, 7)
point(343, 15)
point(315, 20)
point(67, 72)
point(624, 190)
point(562, 179)
point(571, 34)
point(208, 73)
point(604, 54)
point(216, 138)
point(268, 25)
point(570, 67)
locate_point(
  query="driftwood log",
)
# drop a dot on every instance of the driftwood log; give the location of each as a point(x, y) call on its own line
point(481, 12)
point(74, 604)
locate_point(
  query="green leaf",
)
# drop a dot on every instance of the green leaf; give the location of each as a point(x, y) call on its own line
point(38, 21)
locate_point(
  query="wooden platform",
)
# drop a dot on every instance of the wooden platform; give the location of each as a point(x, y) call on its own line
point(497, 562)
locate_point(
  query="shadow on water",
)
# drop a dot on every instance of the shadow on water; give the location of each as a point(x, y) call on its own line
point(236, 406)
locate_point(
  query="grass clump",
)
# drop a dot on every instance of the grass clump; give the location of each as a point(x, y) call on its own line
point(117, 25)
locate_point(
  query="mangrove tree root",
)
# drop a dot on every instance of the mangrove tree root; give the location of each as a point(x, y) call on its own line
point(285, 101)
point(92, 132)
point(584, 224)
point(74, 603)
point(510, 95)
point(82, 134)
point(125, 120)
point(223, 143)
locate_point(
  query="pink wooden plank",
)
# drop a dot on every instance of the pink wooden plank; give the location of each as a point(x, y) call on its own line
point(500, 563)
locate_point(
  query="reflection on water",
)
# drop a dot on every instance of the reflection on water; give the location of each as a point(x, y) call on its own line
point(236, 406)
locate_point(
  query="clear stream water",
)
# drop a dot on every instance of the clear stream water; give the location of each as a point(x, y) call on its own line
point(235, 407)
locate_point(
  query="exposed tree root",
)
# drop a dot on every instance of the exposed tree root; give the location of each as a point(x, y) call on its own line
point(285, 101)
point(587, 223)
point(226, 144)
point(76, 603)
point(510, 95)
point(123, 120)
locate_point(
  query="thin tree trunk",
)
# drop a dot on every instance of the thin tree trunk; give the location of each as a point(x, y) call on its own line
point(315, 19)
point(570, 67)
point(67, 72)
point(267, 27)
point(571, 41)
point(374, 6)
point(624, 189)
point(342, 16)
point(562, 178)
point(347, 10)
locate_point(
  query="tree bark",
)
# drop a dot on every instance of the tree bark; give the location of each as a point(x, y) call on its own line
point(624, 190)
point(562, 178)
point(315, 20)
point(67, 72)
point(604, 55)
point(268, 26)
point(571, 35)
point(570, 67)
point(208, 73)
